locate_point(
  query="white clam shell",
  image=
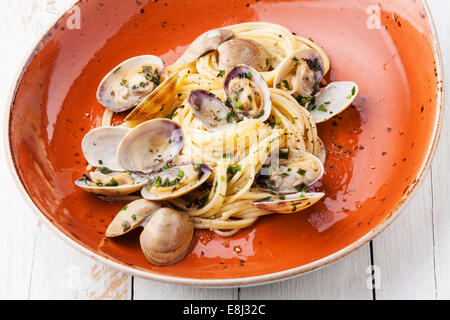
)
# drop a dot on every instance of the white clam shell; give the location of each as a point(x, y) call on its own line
point(117, 74)
point(130, 217)
point(167, 236)
point(333, 99)
point(263, 177)
point(145, 192)
point(292, 203)
point(284, 70)
point(205, 43)
point(150, 145)
point(117, 191)
point(100, 145)
point(257, 79)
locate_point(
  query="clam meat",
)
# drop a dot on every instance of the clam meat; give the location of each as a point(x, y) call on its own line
point(130, 82)
point(300, 73)
point(294, 172)
point(103, 181)
point(247, 93)
point(172, 182)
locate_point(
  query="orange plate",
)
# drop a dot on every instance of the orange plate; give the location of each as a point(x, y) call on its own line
point(377, 150)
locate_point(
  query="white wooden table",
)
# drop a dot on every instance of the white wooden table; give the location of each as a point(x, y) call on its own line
point(412, 257)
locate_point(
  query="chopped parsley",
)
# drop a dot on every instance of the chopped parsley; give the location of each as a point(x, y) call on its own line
point(301, 172)
point(124, 208)
point(286, 84)
point(301, 187)
point(104, 170)
point(112, 183)
point(232, 170)
point(221, 73)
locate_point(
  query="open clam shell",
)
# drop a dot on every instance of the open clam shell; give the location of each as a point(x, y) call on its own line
point(243, 51)
point(208, 41)
point(248, 93)
point(176, 181)
point(124, 184)
point(332, 100)
point(130, 217)
point(159, 103)
point(129, 82)
point(211, 111)
point(150, 145)
point(288, 204)
point(100, 146)
point(290, 172)
point(300, 73)
point(167, 236)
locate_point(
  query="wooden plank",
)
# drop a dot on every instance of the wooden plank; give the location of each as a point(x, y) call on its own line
point(37, 264)
point(403, 253)
point(24, 20)
point(150, 290)
point(344, 279)
point(61, 272)
point(440, 167)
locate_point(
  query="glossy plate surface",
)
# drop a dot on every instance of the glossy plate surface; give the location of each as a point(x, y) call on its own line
point(377, 150)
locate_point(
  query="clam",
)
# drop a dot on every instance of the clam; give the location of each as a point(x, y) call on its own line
point(159, 104)
point(291, 172)
point(167, 233)
point(169, 183)
point(243, 51)
point(207, 42)
point(288, 179)
point(248, 93)
point(150, 145)
point(287, 204)
point(167, 236)
point(211, 111)
point(105, 182)
point(130, 217)
point(332, 100)
point(130, 82)
point(300, 73)
point(100, 146)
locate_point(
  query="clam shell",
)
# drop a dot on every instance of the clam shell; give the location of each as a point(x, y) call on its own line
point(291, 204)
point(118, 191)
point(206, 172)
point(130, 217)
point(100, 146)
point(243, 51)
point(289, 63)
point(167, 236)
point(261, 179)
point(150, 145)
point(158, 104)
point(332, 100)
point(114, 77)
point(208, 41)
point(210, 110)
point(242, 71)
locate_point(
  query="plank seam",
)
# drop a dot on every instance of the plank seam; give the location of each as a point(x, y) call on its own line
point(372, 263)
point(38, 231)
point(433, 234)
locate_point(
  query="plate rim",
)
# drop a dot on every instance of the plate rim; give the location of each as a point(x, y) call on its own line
point(231, 282)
